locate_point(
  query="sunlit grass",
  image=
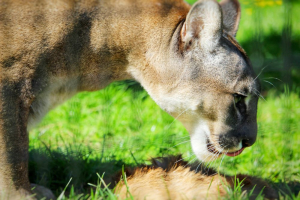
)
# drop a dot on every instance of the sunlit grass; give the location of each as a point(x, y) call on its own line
point(115, 121)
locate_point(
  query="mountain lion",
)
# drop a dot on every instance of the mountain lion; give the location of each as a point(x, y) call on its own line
point(185, 57)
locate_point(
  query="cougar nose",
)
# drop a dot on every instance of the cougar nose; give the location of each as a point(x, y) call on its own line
point(233, 139)
point(246, 143)
point(249, 141)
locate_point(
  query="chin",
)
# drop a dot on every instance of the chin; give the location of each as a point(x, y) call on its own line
point(207, 151)
point(201, 148)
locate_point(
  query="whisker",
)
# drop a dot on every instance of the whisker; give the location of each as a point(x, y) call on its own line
point(210, 161)
point(222, 159)
point(258, 94)
point(269, 83)
point(273, 78)
point(176, 118)
point(190, 162)
point(183, 137)
point(205, 159)
point(260, 73)
point(180, 143)
point(183, 158)
point(198, 166)
point(217, 155)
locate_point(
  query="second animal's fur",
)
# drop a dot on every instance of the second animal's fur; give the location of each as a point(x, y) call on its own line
point(172, 178)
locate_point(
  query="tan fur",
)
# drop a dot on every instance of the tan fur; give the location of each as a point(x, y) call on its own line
point(171, 179)
point(179, 183)
point(52, 49)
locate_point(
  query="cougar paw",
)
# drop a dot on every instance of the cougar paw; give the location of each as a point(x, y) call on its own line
point(42, 192)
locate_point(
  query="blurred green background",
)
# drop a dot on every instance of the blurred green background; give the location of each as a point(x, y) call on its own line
point(121, 125)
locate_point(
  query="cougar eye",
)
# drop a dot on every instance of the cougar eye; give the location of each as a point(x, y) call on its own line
point(238, 98)
point(239, 102)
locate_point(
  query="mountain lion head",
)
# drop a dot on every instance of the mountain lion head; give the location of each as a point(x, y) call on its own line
point(211, 86)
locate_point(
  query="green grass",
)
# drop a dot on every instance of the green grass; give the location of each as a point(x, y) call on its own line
point(121, 125)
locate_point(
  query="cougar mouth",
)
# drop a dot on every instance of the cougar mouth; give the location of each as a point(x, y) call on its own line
point(211, 148)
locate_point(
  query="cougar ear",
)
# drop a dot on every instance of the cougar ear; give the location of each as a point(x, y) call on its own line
point(231, 15)
point(203, 25)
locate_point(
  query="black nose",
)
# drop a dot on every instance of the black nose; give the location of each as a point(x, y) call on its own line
point(233, 138)
point(248, 139)
point(247, 143)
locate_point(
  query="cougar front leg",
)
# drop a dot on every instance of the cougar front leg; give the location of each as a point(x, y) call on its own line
point(14, 107)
